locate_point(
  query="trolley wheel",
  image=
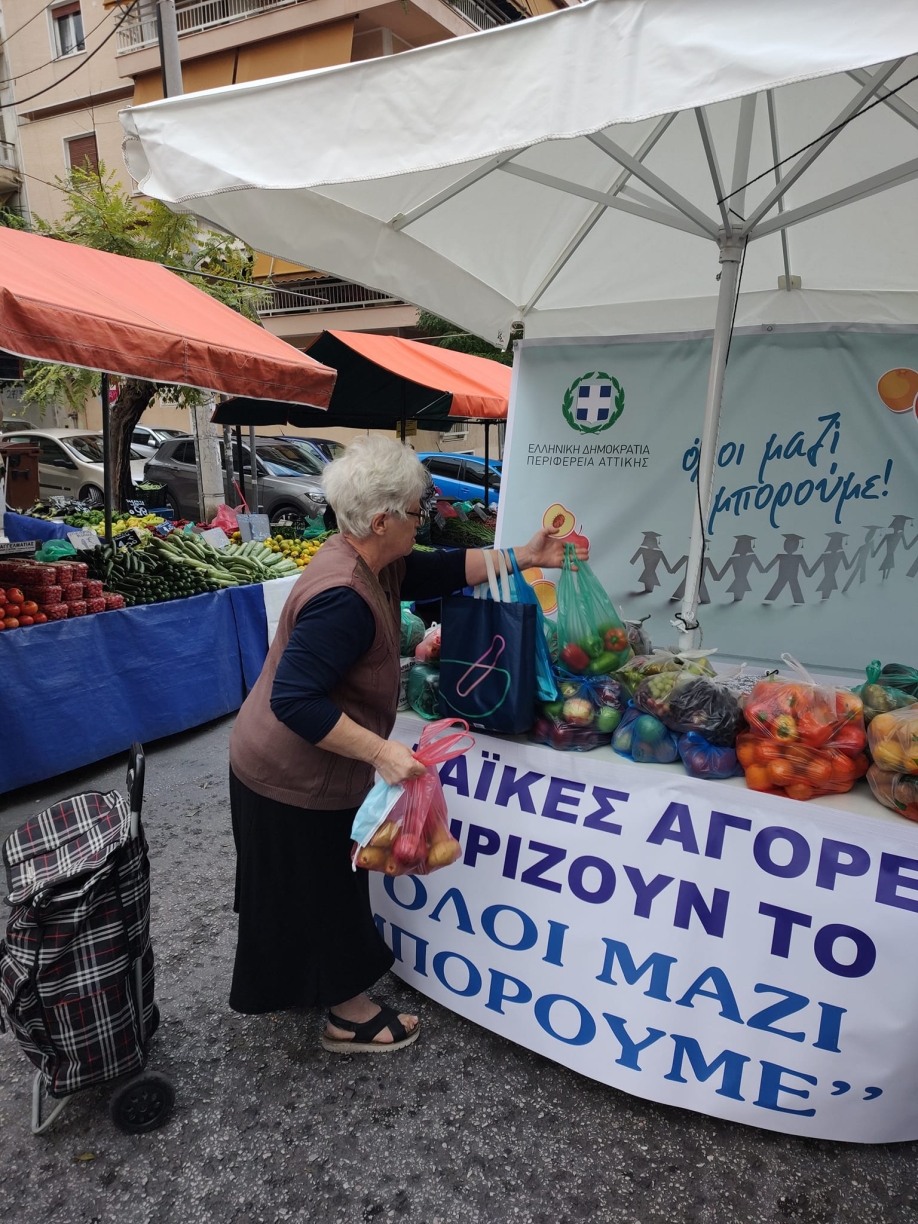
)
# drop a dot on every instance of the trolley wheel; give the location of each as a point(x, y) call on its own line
point(143, 1104)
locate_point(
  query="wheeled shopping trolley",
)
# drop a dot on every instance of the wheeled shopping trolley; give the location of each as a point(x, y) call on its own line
point(76, 967)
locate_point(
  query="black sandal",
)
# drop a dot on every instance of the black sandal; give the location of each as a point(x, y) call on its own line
point(362, 1042)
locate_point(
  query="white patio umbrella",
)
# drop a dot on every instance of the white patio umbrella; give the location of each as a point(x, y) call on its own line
point(586, 173)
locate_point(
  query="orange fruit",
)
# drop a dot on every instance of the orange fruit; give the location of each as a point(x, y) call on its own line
point(898, 389)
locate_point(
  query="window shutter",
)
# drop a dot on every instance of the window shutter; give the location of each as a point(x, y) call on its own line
point(83, 149)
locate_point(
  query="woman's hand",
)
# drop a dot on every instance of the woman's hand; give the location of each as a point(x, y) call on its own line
point(546, 551)
point(395, 763)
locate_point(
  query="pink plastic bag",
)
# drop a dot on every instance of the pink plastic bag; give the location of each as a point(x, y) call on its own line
point(226, 518)
point(415, 838)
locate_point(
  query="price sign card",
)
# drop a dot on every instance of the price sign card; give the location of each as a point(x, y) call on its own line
point(163, 529)
point(83, 541)
point(20, 548)
point(216, 537)
point(127, 539)
point(253, 526)
point(138, 507)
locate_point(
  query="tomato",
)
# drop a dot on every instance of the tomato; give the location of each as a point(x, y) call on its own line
point(29, 607)
point(10, 622)
point(26, 620)
point(40, 618)
point(11, 610)
point(2, 596)
point(757, 778)
point(797, 790)
point(14, 595)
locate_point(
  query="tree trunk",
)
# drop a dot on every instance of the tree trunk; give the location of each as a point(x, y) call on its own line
point(134, 396)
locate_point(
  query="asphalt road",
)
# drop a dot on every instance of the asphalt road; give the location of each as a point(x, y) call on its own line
point(462, 1127)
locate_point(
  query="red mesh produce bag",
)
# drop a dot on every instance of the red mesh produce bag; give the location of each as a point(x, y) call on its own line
point(412, 837)
point(72, 591)
point(55, 611)
point(92, 589)
point(43, 595)
point(112, 601)
point(76, 607)
point(95, 605)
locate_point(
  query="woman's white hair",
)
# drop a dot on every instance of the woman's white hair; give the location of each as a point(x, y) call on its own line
point(375, 475)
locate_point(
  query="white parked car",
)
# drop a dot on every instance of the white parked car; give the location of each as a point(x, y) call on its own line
point(147, 439)
point(70, 463)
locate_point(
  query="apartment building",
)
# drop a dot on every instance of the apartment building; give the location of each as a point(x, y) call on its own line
point(73, 64)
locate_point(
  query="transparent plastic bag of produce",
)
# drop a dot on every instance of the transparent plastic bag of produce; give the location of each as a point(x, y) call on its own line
point(412, 631)
point(592, 639)
point(694, 662)
point(424, 691)
point(898, 675)
point(893, 740)
point(804, 739)
point(899, 792)
point(882, 694)
point(644, 739)
point(638, 636)
point(685, 702)
point(583, 717)
point(702, 759)
point(411, 836)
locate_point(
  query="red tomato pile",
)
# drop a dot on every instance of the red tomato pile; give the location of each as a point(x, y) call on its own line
point(17, 610)
point(803, 741)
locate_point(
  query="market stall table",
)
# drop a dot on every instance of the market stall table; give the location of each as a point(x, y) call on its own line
point(21, 527)
point(695, 943)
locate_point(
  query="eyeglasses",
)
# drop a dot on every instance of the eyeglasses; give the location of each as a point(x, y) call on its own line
point(421, 515)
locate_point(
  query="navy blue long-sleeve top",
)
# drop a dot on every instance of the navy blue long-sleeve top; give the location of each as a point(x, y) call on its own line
point(331, 633)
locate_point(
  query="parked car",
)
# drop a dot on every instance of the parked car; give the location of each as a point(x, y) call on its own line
point(461, 477)
point(70, 463)
point(288, 480)
point(147, 439)
point(326, 447)
point(14, 426)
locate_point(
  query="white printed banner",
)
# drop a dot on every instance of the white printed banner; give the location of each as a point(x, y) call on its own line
point(812, 534)
point(693, 943)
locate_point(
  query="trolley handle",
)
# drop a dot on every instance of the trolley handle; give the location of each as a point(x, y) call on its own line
point(135, 779)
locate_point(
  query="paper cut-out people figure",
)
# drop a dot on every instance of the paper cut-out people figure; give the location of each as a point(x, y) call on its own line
point(742, 561)
point(858, 563)
point(791, 565)
point(652, 556)
point(831, 560)
point(908, 548)
point(703, 596)
point(893, 538)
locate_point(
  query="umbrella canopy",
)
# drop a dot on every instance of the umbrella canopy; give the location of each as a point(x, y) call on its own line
point(67, 303)
point(383, 380)
point(566, 171)
point(586, 173)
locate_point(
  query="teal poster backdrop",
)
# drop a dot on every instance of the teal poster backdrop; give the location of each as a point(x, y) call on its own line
point(812, 535)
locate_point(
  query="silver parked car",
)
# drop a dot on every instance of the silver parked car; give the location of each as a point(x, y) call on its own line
point(289, 477)
point(70, 463)
point(147, 439)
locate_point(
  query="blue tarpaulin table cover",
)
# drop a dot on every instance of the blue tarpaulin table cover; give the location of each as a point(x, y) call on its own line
point(18, 527)
point(76, 691)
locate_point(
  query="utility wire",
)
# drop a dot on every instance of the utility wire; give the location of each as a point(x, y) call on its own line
point(12, 80)
point(22, 101)
point(831, 132)
point(37, 13)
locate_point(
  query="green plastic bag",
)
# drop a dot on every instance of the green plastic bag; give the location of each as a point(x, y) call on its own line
point(55, 550)
point(592, 639)
point(424, 691)
point(412, 631)
point(887, 688)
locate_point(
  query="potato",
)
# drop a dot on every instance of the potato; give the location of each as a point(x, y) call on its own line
point(385, 835)
point(372, 858)
point(443, 853)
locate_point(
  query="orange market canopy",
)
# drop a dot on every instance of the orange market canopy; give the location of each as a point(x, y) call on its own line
point(66, 303)
point(384, 380)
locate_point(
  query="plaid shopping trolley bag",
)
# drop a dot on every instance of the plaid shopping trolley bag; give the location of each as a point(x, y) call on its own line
point(76, 967)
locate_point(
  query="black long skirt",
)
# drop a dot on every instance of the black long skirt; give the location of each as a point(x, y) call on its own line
point(306, 931)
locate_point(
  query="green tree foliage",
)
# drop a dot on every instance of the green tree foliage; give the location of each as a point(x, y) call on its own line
point(102, 215)
point(462, 341)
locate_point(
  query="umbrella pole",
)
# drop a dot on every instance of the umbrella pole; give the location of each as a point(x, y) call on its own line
point(731, 254)
point(254, 502)
point(106, 458)
point(241, 463)
point(486, 459)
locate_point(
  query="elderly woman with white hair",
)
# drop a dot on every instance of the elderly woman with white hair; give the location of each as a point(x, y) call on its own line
point(309, 737)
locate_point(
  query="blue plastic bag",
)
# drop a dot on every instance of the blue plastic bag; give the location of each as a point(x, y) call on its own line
point(706, 760)
point(546, 687)
point(644, 739)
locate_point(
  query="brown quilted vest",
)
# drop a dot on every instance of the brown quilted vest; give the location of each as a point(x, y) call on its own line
point(274, 761)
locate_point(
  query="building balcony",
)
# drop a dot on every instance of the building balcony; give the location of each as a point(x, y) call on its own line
point(139, 31)
point(321, 297)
